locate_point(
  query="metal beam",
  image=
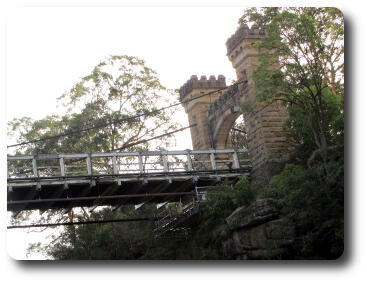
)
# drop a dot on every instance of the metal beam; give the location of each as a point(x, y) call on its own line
point(32, 201)
point(59, 191)
point(110, 190)
point(84, 222)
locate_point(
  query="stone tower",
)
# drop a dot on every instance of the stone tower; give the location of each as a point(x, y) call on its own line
point(267, 141)
point(197, 109)
point(215, 114)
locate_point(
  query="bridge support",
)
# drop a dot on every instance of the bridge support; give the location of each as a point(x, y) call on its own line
point(268, 143)
point(197, 109)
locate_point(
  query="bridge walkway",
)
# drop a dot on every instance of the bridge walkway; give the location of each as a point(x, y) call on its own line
point(92, 179)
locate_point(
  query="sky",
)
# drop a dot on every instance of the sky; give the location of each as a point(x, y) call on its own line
point(46, 46)
point(50, 48)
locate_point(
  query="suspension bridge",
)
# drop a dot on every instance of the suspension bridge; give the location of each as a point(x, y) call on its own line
point(51, 181)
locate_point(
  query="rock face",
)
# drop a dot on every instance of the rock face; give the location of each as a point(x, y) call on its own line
point(257, 232)
point(260, 211)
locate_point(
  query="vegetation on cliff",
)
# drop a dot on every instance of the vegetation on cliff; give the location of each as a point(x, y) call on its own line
point(307, 45)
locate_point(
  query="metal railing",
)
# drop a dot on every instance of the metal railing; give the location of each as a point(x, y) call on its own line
point(121, 163)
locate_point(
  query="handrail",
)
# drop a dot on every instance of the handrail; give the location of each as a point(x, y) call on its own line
point(131, 153)
point(51, 165)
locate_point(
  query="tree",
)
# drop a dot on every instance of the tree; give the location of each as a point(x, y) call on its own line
point(107, 241)
point(110, 109)
point(316, 207)
point(302, 64)
point(238, 134)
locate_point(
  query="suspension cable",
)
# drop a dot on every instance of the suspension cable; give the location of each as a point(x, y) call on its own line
point(121, 120)
point(153, 138)
point(83, 222)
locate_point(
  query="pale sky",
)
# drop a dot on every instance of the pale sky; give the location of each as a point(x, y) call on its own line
point(49, 49)
point(45, 50)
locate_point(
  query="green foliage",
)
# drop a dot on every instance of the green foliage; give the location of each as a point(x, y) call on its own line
point(105, 102)
point(315, 201)
point(302, 65)
point(205, 243)
point(311, 190)
point(227, 198)
point(303, 137)
point(125, 240)
point(238, 135)
point(305, 45)
point(247, 107)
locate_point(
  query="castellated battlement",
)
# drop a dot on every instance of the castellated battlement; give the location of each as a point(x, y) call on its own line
point(203, 82)
point(243, 32)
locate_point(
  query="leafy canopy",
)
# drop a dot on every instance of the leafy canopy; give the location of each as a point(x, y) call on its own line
point(106, 102)
point(302, 64)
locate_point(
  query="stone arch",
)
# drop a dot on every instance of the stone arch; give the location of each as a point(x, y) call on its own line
point(223, 127)
point(268, 144)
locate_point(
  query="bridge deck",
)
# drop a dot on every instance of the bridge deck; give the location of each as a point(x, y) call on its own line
point(51, 181)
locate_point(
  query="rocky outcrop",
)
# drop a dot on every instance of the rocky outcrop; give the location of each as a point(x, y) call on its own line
point(259, 212)
point(257, 232)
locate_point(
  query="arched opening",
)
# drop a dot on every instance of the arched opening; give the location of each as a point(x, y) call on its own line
point(237, 135)
point(230, 131)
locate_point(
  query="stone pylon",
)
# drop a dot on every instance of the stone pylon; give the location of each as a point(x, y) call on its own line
point(268, 144)
point(197, 109)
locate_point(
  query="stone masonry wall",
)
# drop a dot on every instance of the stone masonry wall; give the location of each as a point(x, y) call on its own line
point(267, 141)
point(197, 110)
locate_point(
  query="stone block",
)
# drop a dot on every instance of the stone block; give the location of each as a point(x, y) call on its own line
point(269, 240)
point(230, 248)
point(260, 211)
point(280, 229)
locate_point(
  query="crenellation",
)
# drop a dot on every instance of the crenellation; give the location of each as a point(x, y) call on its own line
point(203, 82)
point(268, 142)
point(243, 32)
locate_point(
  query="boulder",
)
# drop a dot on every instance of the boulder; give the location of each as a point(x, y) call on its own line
point(261, 211)
point(257, 232)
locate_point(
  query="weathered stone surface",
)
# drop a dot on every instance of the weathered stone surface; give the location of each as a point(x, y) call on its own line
point(271, 235)
point(215, 114)
point(257, 232)
point(269, 240)
point(259, 212)
point(203, 83)
point(264, 171)
point(230, 249)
